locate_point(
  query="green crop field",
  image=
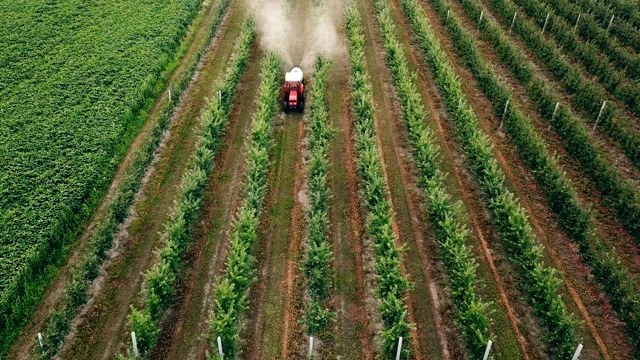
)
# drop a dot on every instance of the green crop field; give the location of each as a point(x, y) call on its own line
point(460, 179)
point(74, 77)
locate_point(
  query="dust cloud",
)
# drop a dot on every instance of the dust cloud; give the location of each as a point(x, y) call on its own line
point(300, 30)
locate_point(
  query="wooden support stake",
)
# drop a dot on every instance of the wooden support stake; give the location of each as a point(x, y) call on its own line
point(577, 353)
point(545, 23)
point(399, 348)
point(487, 350)
point(599, 114)
point(513, 22)
point(136, 353)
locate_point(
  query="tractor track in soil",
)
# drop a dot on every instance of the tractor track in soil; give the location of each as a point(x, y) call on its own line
point(24, 343)
point(100, 329)
point(346, 227)
point(461, 191)
point(187, 320)
point(558, 253)
point(294, 257)
point(267, 306)
point(606, 224)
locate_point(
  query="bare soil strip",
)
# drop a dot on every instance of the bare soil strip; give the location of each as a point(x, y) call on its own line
point(533, 201)
point(25, 342)
point(186, 321)
point(353, 335)
point(292, 315)
point(101, 329)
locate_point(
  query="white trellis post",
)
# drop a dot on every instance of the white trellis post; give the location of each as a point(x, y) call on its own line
point(40, 340)
point(513, 21)
point(480, 19)
point(136, 353)
point(546, 20)
point(169, 95)
point(610, 22)
point(487, 350)
point(399, 348)
point(504, 112)
point(220, 348)
point(310, 346)
point(604, 103)
point(577, 20)
point(219, 95)
point(362, 100)
point(555, 110)
point(577, 353)
point(448, 14)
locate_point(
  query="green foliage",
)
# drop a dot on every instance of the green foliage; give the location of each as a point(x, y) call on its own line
point(586, 53)
point(79, 110)
point(620, 195)
point(471, 319)
point(539, 283)
point(588, 95)
point(316, 264)
point(391, 284)
point(57, 326)
point(590, 32)
point(230, 298)
point(160, 280)
point(624, 31)
point(574, 220)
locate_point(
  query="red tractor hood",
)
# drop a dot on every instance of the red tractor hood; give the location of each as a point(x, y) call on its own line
point(293, 97)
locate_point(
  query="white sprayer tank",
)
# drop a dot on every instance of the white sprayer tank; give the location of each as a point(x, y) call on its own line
point(294, 75)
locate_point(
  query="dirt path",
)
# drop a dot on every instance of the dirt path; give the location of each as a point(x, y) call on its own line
point(267, 297)
point(532, 200)
point(25, 341)
point(346, 228)
point(291, 319)
point(186, 322)
point(101, 329)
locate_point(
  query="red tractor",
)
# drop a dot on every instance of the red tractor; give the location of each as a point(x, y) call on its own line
point(294, 89)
